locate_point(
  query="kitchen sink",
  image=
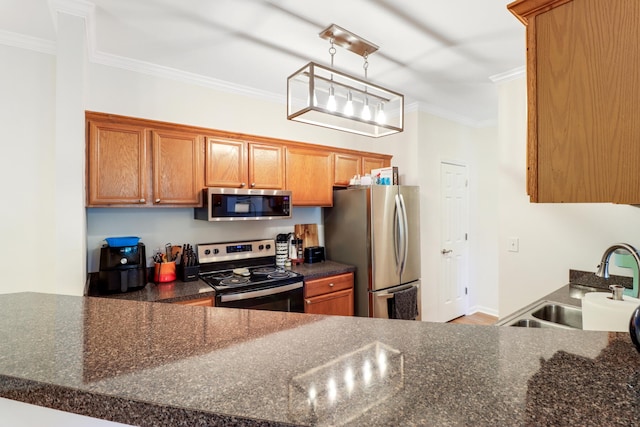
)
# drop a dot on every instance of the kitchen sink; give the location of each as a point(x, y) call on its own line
point(561, 314)
point(546, 314)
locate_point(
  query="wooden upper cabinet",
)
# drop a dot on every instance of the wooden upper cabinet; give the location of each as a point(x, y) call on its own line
point(117, 164)
point(345, 167)
point(177, 168)
point(369, 163)
point(226, 163)
point(582, 84)
point(310, 176)
point(241, 164)
point(266, 166)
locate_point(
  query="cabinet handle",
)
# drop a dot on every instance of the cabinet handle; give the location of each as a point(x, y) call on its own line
point(308, 301)
point(157, 200)
point(141, 200)
point(446, 251)
point(331, 285)
point(253, 184)
point(243, 184)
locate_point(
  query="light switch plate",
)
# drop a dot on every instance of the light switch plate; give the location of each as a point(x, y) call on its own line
point(514, 244)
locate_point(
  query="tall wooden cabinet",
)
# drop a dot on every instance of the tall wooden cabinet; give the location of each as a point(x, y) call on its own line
point(583, 76)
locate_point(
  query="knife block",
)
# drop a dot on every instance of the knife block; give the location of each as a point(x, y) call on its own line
point(188, 274)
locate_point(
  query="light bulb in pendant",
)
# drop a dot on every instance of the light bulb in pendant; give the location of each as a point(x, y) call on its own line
point(381, 117)
point(348, 108)
point(366, 111)
point(331, 102)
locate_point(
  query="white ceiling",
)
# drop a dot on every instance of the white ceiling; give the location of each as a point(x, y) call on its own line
point(438, 53)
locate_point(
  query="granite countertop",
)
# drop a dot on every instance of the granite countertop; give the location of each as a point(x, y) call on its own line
point(183, 291)
point(153, 364)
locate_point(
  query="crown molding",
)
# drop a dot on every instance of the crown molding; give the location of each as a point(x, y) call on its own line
point(512, 74)
point(23, 41)
point(156, 70)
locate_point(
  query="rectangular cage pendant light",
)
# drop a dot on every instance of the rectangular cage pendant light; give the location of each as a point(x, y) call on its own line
point(324, 96)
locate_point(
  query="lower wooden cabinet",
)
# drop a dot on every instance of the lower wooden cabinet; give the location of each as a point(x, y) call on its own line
point(198, 302)
point(330, 295)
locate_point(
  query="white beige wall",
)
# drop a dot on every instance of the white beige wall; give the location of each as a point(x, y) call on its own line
point(27, 88)
point(553, 237)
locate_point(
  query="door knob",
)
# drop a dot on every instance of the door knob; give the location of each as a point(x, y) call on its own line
point(446, 251)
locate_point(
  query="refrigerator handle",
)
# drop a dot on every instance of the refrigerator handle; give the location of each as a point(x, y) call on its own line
point(398, 235)
point(404, 240)
point(405, 237)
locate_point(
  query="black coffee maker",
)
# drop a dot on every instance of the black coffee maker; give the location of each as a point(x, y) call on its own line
point(122, 268)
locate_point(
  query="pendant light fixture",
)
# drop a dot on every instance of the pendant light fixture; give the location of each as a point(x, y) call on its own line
point(324, 96)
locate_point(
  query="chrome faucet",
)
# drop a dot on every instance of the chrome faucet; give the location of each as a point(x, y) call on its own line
point(603, 267)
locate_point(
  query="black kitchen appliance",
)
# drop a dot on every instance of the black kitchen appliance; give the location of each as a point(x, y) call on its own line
point(244, 275)
point(122, 268)
point(313, 254)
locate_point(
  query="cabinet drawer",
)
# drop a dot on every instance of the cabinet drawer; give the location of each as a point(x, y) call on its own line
point(328, 284)
point(197, 302)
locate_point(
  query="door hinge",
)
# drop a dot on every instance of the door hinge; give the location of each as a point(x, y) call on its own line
point(466, 236)
point(466, 182)
point(466, 291)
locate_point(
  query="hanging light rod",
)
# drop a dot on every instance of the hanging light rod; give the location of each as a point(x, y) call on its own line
point(348, 40)
point(350, 87)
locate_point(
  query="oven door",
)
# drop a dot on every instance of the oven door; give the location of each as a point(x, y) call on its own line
point(287, 297)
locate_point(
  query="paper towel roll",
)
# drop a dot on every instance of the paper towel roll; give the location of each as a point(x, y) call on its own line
point(601, 313)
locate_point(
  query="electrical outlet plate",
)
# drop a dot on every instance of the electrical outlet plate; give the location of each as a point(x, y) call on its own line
point(514, 244)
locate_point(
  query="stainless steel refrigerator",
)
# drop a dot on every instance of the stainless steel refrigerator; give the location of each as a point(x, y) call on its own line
point(377, 229)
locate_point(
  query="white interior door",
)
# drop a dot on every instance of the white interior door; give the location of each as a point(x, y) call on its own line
point(452, 292)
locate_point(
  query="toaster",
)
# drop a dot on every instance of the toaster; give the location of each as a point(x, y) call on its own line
point(313, 254)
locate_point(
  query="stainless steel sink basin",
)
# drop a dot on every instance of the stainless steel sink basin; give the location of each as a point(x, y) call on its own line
point(561, 314)
point(546, 314)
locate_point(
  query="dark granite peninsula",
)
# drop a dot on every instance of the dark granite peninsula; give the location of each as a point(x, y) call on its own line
point(155, 364)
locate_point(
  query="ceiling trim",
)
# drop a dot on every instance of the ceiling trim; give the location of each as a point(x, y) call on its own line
point(512, 74)
point(183, 76)
point(22, 41)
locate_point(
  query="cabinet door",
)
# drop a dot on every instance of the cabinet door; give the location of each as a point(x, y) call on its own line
point(582, 75)
point(345, 167)
point(336, 303)
point(310, 176)
point(177, 168)
point(226, 163)
point(369, 163)
point(328, 284)
point(117, 164)
point(266, 166)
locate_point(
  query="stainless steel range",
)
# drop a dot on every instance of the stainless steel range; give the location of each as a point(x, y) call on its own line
point(244, 275)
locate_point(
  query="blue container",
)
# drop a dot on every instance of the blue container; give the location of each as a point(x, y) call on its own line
point(122, 241)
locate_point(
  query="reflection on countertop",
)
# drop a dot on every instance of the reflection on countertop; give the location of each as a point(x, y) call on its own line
point(163, 365)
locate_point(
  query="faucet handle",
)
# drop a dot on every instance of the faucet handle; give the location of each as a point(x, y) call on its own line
point(616, 292)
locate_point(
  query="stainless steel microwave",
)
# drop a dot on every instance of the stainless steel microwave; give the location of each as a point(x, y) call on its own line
point(234, 204)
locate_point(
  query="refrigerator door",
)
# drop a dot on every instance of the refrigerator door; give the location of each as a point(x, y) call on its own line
point(410, 200)
point(386, 248)
point(379, 300)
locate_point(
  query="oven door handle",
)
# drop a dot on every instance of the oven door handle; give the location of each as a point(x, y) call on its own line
point(260, 293)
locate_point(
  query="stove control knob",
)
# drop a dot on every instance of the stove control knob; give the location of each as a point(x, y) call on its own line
point(207, 252)
point(123, 261)
point(268, 246)
point(261, 247)
point(216, 251)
